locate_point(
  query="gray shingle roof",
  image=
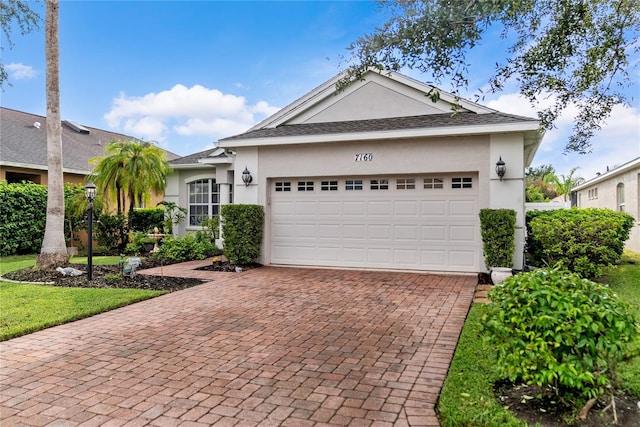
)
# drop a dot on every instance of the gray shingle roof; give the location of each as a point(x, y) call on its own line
point(22, 143)
point(193, 158)
point(386, 124)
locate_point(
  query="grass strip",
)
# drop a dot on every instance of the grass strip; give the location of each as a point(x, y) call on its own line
point(467, 397)
point(26, 308)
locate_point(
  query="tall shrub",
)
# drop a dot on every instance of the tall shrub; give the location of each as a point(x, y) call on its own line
point(498, 227)
point(242, 230)
point(112, 232)
point(23, 211)
point(580, 240)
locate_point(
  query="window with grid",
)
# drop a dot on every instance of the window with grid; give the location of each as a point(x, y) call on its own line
point(431, 183)
point(379, 184)
point(406, 183)
point(461, 182)
point(305, 185)
point(353, 184)
point(204, 200)
point(329, 186)
point(620, 191)
point(283, 186)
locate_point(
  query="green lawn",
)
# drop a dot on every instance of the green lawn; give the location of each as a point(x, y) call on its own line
point(467, 398)
point(27, 308)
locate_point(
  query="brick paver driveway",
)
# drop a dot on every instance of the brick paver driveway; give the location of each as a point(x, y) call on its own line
point(269, 346)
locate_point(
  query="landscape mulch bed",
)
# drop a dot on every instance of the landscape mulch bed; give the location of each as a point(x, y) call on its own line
point(105, 276)
point(110, 276)
point(530, 404)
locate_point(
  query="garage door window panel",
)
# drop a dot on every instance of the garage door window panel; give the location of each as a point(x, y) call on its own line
point(379, 184)
point(305, 185)
point(433, 183)
point(406, 183)
point(461, 182)
point(329, 186)
point(353, 184)
point(283, 186)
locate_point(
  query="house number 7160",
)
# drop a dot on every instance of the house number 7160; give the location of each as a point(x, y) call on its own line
point(364, 157)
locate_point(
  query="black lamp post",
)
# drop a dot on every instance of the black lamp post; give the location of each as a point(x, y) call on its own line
point(90, 194)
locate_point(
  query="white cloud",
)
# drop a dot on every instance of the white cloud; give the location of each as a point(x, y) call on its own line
point(616, 143)
point(20, 71)
point(187, 112)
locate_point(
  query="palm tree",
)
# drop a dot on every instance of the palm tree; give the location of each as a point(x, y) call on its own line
point(130, 171)
point(564, 184)
point(53, 252)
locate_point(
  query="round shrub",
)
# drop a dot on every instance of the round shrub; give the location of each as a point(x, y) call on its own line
point(580, 240)
point(188, 248)
point(555, 330)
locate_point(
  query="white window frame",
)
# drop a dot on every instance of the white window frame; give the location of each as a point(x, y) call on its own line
point(209, 199)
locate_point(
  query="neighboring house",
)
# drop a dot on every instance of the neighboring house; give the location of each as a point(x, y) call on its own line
point(617, 189)
point(23, 148)
point(374, 176)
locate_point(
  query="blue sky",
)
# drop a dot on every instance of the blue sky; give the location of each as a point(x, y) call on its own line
point(186, 73)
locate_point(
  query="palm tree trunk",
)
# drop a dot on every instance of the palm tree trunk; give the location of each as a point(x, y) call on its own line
point(54, 251)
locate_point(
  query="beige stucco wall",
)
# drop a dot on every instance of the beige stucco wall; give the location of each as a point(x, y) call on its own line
point(426, 155)
point(176, 190)
point(607, 198)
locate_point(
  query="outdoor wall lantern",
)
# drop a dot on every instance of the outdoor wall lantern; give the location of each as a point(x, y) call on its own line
point(90, 194)
point(246, 177)
point(501, 168)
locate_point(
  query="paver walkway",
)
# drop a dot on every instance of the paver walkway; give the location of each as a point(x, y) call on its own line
point(268, 346)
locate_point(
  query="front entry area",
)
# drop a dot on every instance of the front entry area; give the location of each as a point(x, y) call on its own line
point(413, 222)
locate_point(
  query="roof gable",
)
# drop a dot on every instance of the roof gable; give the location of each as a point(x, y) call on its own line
point(377, 95)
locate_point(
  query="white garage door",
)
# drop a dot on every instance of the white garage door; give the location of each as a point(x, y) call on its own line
point(427, 222)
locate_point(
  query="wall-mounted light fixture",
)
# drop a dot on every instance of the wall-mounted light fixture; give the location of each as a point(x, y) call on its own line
point(501, 168)
point(90, 194)
point(246, 177)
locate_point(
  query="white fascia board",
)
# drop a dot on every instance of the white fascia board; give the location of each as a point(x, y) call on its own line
point(378, 135)
point(215, 161)
point(193, 166)
point(609, 174)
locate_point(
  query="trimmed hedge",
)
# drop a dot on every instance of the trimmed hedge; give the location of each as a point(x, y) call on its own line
point(23, 215)
point(498, 227)
point(145, 219)
point(580, 240)
point(242, 230)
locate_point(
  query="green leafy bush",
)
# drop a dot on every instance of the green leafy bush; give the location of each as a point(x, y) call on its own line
point(242, 229)
point(556, 330)
point(498, 227)
point(580, 240)
point(193, 246)
point(145, 219)
point(23, 215)
point(111, 232)
point(136, 245)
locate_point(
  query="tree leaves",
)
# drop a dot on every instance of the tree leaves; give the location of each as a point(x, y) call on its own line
point(575, 52)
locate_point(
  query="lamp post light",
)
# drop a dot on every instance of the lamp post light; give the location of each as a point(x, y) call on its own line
point(90, 194)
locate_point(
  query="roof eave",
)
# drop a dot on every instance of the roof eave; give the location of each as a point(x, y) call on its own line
point(382, 135)
point(608, 175)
